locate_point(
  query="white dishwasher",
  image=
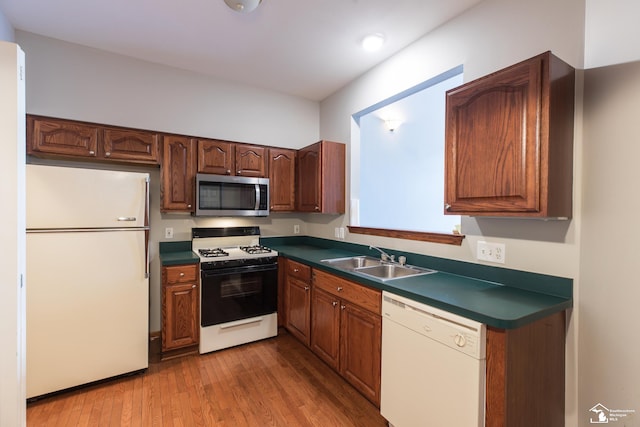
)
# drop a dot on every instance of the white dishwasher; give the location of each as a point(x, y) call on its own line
point(433, 366)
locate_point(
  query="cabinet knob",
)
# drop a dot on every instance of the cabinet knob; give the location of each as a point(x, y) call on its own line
point(193, 286)
point(342, 307)
point(228, 171)
point(306, 288)
point(295, 270)
point(339, 288)
point(334, 303)
point(181, 274)
point(447, 206)
point(92, 153)
point(189, 206)
point(317, 208)
point(107, 154)
point(238, 172)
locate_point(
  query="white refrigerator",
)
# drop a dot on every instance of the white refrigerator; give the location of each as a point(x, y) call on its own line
point(87, 275)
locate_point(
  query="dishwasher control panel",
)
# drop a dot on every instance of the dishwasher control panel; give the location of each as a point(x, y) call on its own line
point(457, 332)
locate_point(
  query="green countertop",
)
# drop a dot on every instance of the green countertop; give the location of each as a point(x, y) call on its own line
point(499, 297)
point(175, 253)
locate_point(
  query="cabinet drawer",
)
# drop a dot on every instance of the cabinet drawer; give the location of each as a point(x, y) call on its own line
point(181, 273)
point(301, 271)
point(370, 299)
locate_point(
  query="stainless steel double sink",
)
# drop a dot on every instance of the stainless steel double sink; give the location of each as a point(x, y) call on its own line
point(376, 268)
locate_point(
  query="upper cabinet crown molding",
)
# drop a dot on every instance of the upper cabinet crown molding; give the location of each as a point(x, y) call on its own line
point(509, 142)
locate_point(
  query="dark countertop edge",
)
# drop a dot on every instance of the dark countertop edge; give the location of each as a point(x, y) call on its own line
point(559, 303)
point(176, 253)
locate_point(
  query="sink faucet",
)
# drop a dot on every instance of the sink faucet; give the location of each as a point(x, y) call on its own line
point(385, 256)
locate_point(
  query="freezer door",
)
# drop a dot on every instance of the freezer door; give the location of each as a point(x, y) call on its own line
point(66, 197)
point(87, 308)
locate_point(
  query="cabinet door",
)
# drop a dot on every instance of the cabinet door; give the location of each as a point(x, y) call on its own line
point(180, 315)
point(178, 174)
point(509, 139)
point(62, 137)
point(251, 161)
point(216, 157)
point(298, 308)
point(325, 326)
point(282, 169)
point(360, 350)
point(131, 145)
point(308, 182)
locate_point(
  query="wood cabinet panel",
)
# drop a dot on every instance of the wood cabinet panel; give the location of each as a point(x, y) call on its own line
point(177, 174)
point(325, 327)
point(251, 160)
point(368, 298)
point(140, 146)
point(299, 270)
point(526, 374)
point(282, 172)
point(62, 137)
point(320, 182)
point(298, 308)
point(180, 307)
point(509, 142)
point(216, 157)
point(361, 349)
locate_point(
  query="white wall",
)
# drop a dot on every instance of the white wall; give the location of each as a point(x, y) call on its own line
point(7, 32)
point(494, 34)
point(76, 82)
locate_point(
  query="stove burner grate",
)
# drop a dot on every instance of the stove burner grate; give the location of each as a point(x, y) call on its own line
point(213, 252)
point(255, 249)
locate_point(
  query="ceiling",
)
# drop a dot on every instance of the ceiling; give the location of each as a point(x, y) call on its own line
point(306, 48)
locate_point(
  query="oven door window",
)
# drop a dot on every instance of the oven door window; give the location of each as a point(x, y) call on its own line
point(239, 293)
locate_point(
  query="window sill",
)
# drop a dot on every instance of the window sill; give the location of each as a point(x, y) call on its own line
point(448, 239)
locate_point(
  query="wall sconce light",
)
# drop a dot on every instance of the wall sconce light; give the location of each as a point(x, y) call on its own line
point(392, 124)
point(243, 6)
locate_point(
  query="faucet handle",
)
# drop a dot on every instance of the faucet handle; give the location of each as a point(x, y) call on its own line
point(402, 260)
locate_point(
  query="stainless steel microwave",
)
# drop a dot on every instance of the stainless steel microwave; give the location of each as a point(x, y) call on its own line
point(221, 195)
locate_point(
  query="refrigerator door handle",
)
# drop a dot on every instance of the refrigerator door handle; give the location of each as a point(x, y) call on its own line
point(146, 224)
point(127, 218)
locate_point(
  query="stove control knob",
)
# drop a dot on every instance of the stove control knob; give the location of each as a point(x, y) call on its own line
point(460, 340)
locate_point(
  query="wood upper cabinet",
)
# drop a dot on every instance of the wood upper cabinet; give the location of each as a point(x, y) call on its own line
point(282, 170)
point(251, 160)
point(320, 184)
point(63, 137)
point(346, 330)
point(217, 157)
point(509, 142)
point(180, 306)
point(177, 174)
point(132, 145)
point(71, 139)
point(297, 304)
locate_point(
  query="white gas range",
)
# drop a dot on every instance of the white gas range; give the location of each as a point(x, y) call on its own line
point(238, 287)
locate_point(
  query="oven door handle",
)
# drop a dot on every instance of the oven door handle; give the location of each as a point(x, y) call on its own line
point(243, 269)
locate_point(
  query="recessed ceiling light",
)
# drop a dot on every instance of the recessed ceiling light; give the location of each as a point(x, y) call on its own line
point(373, 42)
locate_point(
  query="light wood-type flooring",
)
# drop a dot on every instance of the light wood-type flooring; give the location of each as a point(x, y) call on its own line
point(274, 382)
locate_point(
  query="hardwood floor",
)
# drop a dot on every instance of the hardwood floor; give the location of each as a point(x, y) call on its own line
point(275, 382)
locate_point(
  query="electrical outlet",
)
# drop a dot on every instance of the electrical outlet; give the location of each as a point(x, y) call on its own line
point(168, 233)
point(336, 232)
point(296, 229)
point(492, 252)
point(341, 233)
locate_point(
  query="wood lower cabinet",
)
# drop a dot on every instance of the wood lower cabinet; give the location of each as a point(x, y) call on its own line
point(297, 304)
point(72, 139)
point(180, 307)
point(282, 177)
point(177, 174)
point(509, 142)
point(346, 330)
point(526, 374)
point(320, 183)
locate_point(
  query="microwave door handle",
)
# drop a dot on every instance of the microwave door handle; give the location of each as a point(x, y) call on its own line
point(257, 206)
